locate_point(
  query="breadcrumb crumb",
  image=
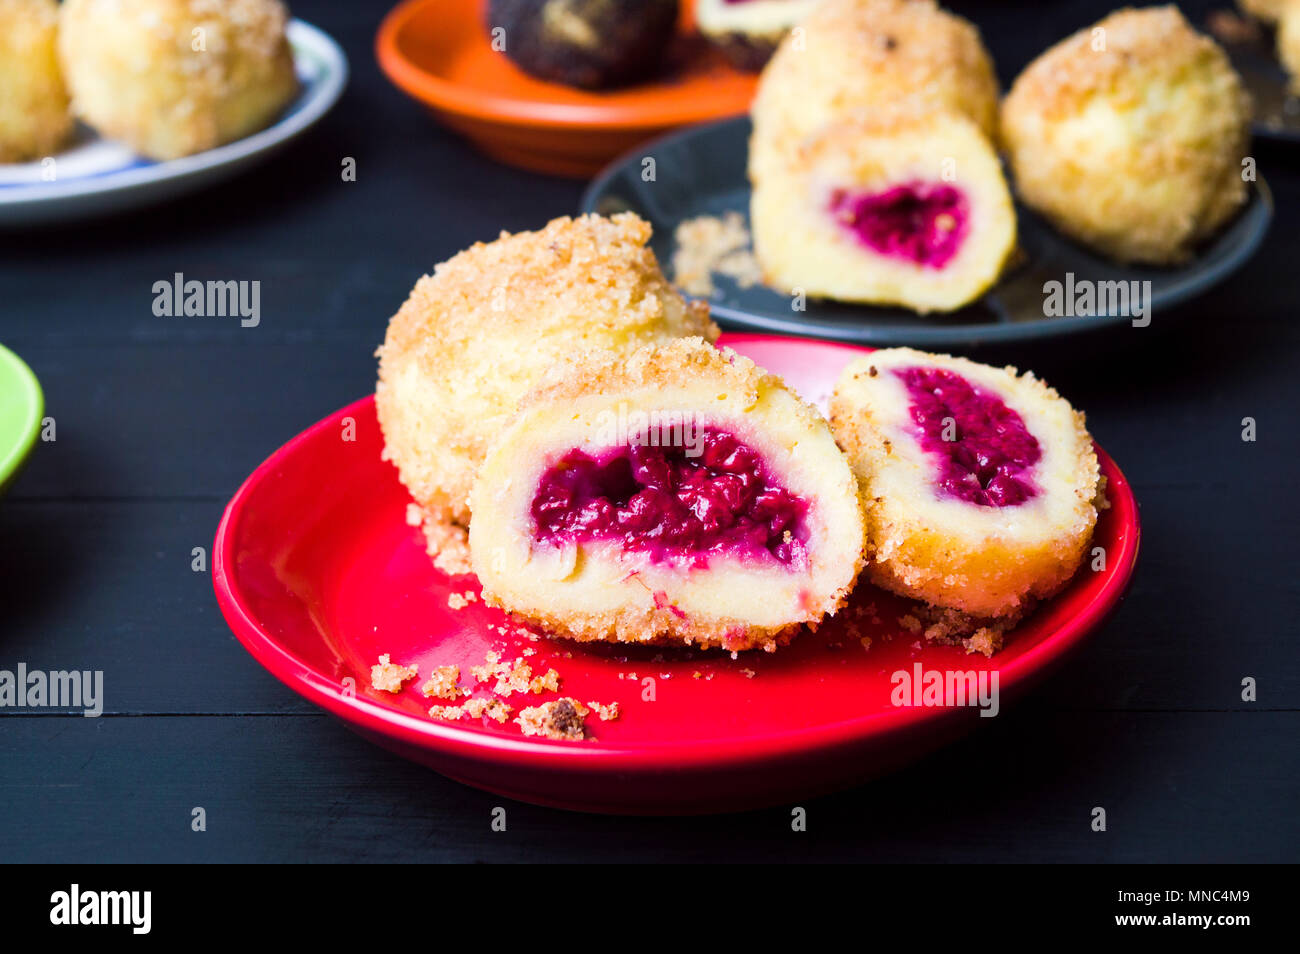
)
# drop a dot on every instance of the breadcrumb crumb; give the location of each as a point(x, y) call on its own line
point(475, 708)
point(442, 684)
point(561, 719)
point(609, 713)
point(950, 627)
point(515, 677)
point(492, 708)
point(549, 681)
point(709, 245)
point(387, 676)
point(987, 640)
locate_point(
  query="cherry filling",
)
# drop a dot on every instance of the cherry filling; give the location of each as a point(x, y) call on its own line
point(671, 505)
point(923, 223)
point(985, 448)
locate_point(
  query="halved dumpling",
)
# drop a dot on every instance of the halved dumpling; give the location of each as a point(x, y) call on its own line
point(978, 483)
point(899, 209)
point(680, 495)
point(748, 31)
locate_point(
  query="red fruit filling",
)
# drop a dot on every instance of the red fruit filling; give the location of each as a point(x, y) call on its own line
point(673, 506)
point(985, 448)
point(923, 223)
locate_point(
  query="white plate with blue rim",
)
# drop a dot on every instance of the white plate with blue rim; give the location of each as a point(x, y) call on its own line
point(92, 175)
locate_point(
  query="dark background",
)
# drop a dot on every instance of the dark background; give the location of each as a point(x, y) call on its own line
point(159, 420)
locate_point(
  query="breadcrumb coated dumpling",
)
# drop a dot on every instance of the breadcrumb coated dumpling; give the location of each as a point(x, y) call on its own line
point(681, 494)
point(34, 117)
point(978, 483)
point(1129, 136)
point(479, 332)
point(853, 55)
point(174, 77)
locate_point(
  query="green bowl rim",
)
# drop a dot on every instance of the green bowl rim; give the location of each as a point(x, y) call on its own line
point(27, 385)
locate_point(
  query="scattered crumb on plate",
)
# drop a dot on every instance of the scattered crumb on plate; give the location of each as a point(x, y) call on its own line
point(949, 627)
point(387, 676)
point(442, 684)
point(515, 677)
point(475, 708)
point(560, 719)
point(607, 713)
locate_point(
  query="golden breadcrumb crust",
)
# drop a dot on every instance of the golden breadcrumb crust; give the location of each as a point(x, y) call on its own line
point(1129, 135)
point(868, 54)
point(34, 117)
point(910, 555)
point(174, 77)
point(479, 332)
point(662, 367)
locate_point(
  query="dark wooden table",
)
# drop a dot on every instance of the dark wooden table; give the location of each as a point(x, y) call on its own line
point(160, 419)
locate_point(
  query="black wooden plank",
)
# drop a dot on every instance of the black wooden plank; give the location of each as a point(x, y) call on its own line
point(108, 586)
point(1186, 787)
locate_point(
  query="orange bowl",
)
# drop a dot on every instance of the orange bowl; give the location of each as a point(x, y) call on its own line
point(439, 52)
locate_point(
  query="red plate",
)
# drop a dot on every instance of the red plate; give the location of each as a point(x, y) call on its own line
point(318, 573)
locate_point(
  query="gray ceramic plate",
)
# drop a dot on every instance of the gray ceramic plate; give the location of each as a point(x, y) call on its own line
point(701, 171)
